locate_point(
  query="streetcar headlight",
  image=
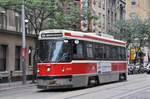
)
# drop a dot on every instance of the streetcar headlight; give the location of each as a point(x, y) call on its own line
point(38, 70)
point(63, 69)
point(48, 68)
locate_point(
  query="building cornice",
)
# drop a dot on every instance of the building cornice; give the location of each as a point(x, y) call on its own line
point(8, 32)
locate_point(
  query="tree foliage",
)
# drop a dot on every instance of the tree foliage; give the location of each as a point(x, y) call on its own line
point(136, 32)
point(132, 31)
point(48, 14)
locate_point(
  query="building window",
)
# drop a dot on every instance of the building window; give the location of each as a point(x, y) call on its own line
point(112, 21)
point(3, 54)
point(121, 12)
point(99, 23)
point(108, 17)
point(115, 17)
point(3, 18)
point(133, 15)
point(17, 57)
point(18, 22)
point(103, 21)
point(94, 2)
point(103, 4)
point(113, 3)
point(99, 3)
point(11, 16)
point(133, 2)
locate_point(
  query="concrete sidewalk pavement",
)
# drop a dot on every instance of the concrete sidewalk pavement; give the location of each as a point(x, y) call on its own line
point(18, 84)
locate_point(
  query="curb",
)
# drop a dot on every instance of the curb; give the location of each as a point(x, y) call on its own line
point(15, 87)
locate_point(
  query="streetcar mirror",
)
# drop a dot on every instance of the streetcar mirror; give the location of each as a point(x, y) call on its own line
point(76, 41)
point(65, 41)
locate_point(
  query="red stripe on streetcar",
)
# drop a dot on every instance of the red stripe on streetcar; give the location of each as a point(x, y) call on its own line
point(76, 68)
point(67, 34)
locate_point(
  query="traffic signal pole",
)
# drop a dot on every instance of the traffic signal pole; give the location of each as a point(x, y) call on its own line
point(23, 46)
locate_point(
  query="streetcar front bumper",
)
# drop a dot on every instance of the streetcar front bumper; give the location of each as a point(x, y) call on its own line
point(54, 87)
point(51, 82)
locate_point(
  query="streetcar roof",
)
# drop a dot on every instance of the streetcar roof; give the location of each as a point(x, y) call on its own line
point(68, 34)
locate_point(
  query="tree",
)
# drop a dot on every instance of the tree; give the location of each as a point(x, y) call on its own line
point(49, 14)
point(133, 31)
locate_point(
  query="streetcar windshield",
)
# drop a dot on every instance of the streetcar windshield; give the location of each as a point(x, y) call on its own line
point(54, 51)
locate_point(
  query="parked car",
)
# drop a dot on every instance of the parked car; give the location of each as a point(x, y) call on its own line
point(142, 69)
point(139, 68)
point(130, 69)
point(136, 69)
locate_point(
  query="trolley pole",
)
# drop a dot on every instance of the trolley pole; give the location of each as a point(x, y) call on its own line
point(23, 46)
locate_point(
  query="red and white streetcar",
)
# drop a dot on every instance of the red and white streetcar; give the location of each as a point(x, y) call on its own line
point(69, 59)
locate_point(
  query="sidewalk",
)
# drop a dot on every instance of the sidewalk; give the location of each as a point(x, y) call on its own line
point(18, 84)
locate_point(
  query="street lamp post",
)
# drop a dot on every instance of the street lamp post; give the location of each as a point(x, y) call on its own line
point(23, 46)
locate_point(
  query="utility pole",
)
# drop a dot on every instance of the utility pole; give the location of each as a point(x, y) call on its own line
point(23, 46)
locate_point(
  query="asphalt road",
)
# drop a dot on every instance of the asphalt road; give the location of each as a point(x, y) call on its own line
point(136, 87)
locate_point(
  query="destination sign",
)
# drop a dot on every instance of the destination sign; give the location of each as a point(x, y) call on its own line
point(51, 35)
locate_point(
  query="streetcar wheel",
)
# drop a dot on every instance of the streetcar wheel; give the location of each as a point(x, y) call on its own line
point(125, 77)
point(93, 81)
point(122, 77)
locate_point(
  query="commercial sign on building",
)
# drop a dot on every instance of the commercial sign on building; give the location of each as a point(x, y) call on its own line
point(133, 53)
point(83, 14)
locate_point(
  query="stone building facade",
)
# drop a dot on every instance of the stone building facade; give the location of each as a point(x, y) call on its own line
point(137, 9)
point(99, 25)
point(11, 47)
point(115, 12)
point(108, 13)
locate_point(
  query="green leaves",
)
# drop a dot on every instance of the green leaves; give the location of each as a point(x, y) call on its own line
point(129, 30)
point(49, 14)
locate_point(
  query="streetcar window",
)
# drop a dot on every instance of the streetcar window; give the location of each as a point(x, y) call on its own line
point(54, 51)
point(107, 52)
point(119, 53)
point(111, 52)
point(89, 50)
point(78, 50)
point(101, 51)
point(98, 51)
point(114, 52)
point(123, 54)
